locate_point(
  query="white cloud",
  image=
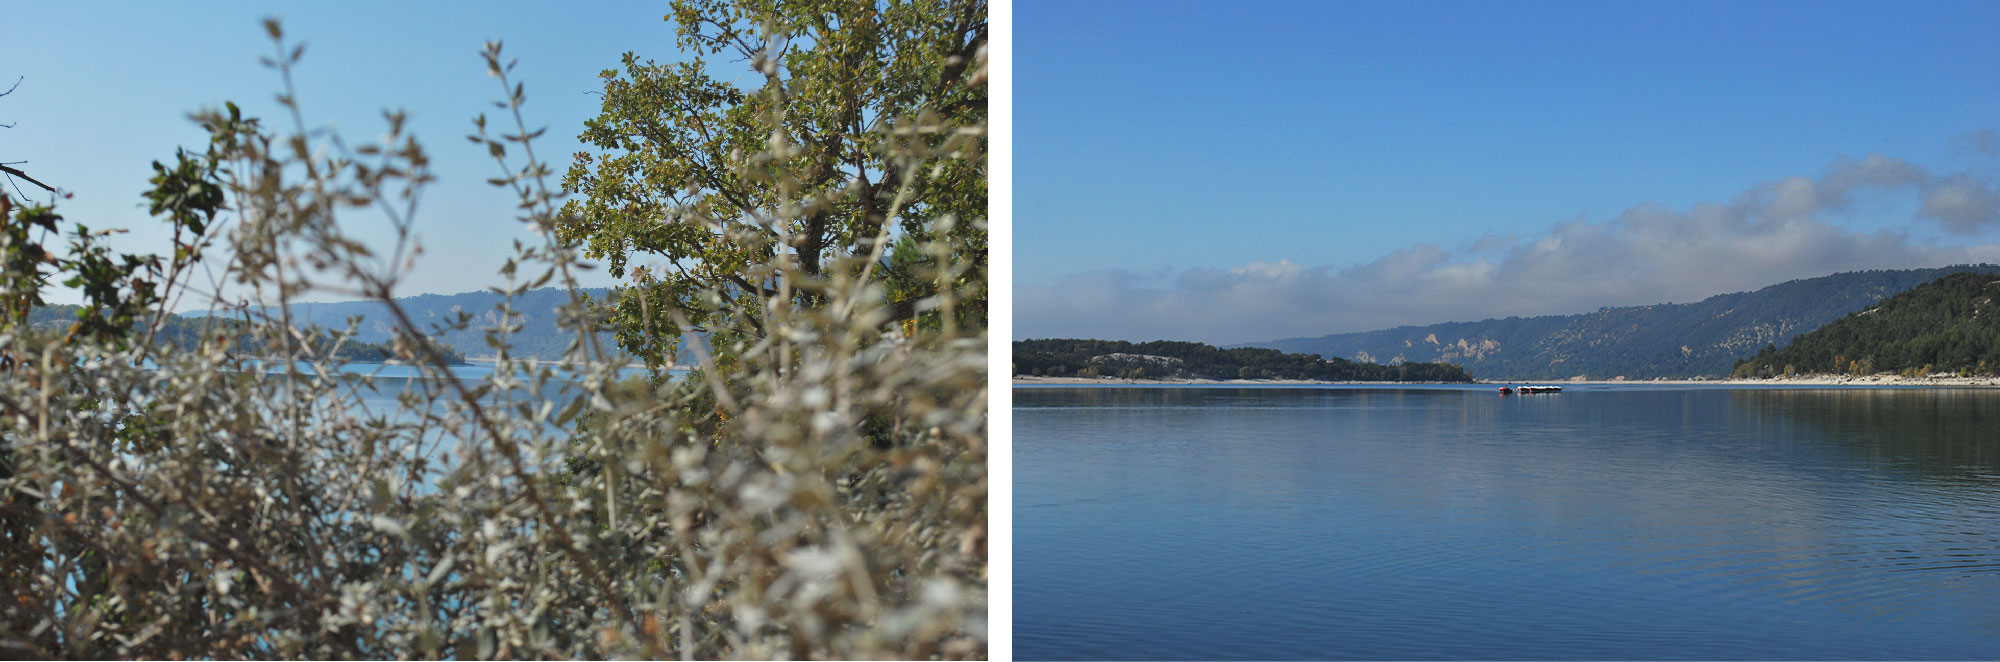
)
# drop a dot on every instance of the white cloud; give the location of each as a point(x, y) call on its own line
point(1962, 203)
point(1768, 234)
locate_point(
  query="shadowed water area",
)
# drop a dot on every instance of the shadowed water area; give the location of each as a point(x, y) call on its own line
point(1602, 522)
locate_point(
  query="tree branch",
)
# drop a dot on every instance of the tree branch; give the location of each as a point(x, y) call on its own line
point(903, 309)
point(11, 171)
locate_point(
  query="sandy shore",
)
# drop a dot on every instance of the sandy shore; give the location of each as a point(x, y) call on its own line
point(1802, 380)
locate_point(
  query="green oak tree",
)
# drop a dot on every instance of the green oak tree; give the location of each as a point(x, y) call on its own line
point(800, 143)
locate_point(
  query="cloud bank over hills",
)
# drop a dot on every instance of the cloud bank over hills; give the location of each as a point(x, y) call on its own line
point(1768, 233)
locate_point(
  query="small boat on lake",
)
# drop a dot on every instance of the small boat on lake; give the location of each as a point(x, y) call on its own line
point(1541, 389)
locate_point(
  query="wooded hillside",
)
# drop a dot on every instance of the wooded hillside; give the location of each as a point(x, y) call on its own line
point(1948, 325)
point(1672, 340)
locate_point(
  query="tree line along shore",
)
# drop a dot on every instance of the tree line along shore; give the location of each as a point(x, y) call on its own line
point(1168, 359)
point(1942, 332)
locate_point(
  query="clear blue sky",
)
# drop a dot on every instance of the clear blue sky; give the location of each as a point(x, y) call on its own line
point(106, 88)
point(1234, 172)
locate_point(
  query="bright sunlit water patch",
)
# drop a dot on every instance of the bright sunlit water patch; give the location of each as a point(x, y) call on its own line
point(1635, 522)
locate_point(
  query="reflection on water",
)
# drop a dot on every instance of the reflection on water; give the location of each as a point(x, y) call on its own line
point(1942, 434)
point(1455, 523)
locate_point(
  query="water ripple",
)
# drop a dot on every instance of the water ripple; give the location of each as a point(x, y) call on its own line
point(1603, 524)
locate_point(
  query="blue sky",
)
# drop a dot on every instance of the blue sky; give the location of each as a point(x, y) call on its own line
point(1232, 173)
point(106, 88)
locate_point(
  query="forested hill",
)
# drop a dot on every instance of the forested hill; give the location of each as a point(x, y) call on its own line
point(1167, 359)
point(1705, 338)
point(538, 336)
point(1948, 325)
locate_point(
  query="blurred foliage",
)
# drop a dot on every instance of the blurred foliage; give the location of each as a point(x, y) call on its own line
point(818, 493)
point(239, 337)
point(532, 330)
point(1948, 325)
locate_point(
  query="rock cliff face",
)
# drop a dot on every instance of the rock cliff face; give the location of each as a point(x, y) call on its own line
point(1636, 342)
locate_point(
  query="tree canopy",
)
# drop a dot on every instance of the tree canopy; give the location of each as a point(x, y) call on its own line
point(860, 126)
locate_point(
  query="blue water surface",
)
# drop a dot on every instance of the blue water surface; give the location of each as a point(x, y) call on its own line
point(1605, 522)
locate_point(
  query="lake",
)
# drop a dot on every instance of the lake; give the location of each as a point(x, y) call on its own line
point(1452, 522)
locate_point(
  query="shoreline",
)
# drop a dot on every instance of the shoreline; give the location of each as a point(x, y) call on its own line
point(489, 360)
point(1802, 380)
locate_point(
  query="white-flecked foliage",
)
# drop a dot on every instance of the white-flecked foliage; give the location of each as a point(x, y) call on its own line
point(814, 488)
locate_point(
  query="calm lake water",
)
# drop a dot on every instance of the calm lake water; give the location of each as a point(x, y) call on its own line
point(1606, 522)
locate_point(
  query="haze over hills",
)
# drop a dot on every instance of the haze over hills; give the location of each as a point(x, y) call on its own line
point(1637, 342)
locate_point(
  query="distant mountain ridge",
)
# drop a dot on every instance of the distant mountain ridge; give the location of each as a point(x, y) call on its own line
point(1699, 339)
point(535, 311)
